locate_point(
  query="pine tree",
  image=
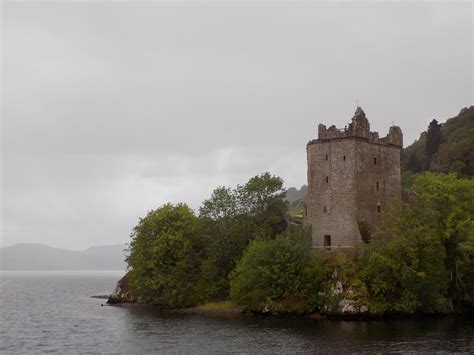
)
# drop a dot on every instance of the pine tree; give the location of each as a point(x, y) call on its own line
point(434, 138)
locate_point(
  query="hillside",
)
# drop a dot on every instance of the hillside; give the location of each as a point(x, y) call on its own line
point(296, 200)
point(43, 257)
point(293, 194)
point(446, 147)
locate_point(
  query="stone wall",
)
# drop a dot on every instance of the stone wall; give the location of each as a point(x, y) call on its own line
point(352, 175)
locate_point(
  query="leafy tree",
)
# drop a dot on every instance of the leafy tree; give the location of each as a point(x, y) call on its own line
point(282, 274)
point(165, 257)
point(422, 257)
point(222, 205)
point(445, 204)
point(403, 268)
point(230, 219)
point(262, 199)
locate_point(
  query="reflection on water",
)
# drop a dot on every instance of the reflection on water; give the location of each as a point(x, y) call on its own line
point(54, 312)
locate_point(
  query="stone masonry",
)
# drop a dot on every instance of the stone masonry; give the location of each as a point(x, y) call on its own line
point(352, 175)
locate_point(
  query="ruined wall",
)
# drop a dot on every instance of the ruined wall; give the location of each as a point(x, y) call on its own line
point(352, 175)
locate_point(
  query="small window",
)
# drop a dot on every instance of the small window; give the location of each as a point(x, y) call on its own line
point(377, 185)
point(375, 161)
point(384, 183)
point(325, 210)
point(378, 209)
point(327, 179)
point(344, 158)
point(327, 241)
point(327, 157)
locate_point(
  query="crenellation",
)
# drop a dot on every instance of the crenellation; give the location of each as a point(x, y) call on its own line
point(359, 128)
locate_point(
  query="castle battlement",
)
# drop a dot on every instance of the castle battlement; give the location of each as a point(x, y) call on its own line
point(360, 128)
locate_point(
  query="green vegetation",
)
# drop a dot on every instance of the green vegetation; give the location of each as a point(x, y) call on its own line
point(165, 254)
point(247, 249)
point(443, 148)
point(239, 252)
point(282, 274)
point(218, 306)
point(421, 257)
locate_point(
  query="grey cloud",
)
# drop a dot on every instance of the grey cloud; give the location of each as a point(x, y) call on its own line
point(112, 108)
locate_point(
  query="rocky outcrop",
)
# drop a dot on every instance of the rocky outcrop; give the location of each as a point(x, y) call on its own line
point(122, 292)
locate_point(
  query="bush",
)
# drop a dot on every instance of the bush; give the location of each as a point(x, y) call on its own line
point(282, 274)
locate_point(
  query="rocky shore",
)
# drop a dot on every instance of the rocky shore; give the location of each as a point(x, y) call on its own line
point(343, 307)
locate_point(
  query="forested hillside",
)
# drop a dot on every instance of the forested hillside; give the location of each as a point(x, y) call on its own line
point(443, 147)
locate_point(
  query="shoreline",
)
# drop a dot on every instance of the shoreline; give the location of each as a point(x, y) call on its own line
point(228, 309)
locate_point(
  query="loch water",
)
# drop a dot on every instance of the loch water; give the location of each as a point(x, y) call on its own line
point(54, 312)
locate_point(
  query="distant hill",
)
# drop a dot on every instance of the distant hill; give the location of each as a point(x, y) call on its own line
point(43, 257)
point(443, 147)
point(296, 200)
point(293, 194)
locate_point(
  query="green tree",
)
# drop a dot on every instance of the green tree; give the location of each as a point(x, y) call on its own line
point(445, 204)
point(422, 257)
point(281, 274)
point(165, 256)
point(230, 219)
point(434, 138)
point(262, 199)
point(403, 268)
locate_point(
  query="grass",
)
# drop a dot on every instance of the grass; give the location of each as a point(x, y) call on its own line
point(218, 306)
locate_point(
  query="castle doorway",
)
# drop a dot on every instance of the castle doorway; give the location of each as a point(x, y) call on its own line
point(327, 241)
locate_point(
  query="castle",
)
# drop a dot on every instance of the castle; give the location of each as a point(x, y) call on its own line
point(352, 175)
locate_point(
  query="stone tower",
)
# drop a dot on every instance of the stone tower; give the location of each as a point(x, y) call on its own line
point(352, 175)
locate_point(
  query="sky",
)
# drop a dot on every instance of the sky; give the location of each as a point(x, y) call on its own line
point(110, 109)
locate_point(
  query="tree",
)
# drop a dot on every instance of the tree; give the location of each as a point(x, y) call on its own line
point(434, 138)
point(403, 268)
point(262, 199)
point(445, 204)
point(282, 274)
point(422, 256)
point(230, 219)
point(165, 257)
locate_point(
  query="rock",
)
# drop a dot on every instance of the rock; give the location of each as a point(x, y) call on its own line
point(315, 316)
point(122, 292)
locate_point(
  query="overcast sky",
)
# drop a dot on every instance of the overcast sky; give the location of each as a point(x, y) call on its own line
point(112, 108)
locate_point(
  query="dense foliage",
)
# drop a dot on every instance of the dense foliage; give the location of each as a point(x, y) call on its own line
point(282, 274)
point(444, 148)
point(421, 258)
point(165, 255)
point(178, 259)
point(239, 247)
